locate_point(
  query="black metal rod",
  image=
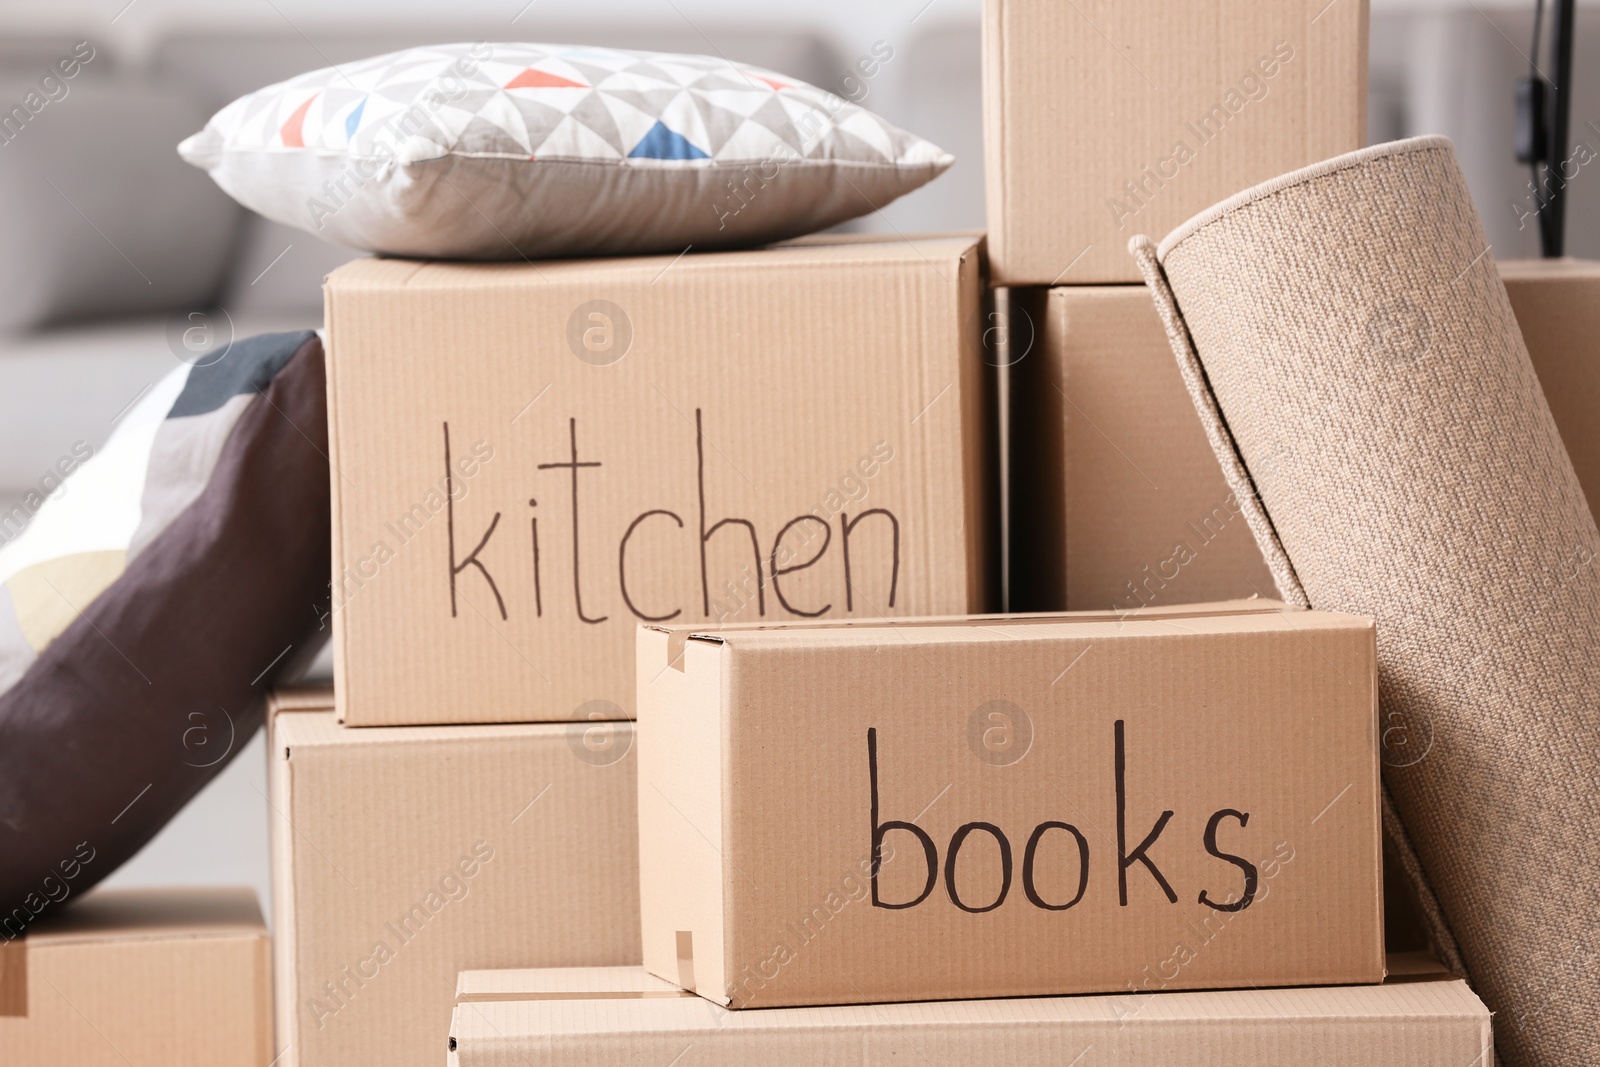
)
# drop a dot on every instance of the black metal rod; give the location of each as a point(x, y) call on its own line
point(1552, 228)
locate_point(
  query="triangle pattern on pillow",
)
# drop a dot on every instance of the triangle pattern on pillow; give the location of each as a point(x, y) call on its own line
point(533, 78)
point(662, 143)
point(507, 99)
point(290, 133)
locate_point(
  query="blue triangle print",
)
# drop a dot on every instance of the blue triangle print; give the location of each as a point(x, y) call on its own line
point(662, 143)
point(353, 120)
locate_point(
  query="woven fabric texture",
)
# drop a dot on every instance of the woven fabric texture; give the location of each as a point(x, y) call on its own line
point(1348, 341)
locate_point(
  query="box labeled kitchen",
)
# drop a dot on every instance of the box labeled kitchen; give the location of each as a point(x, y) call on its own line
point(1422, 1017)
point(401, 855)
point(1118, 500)
point(137, 976)
point(531, 459)
point(1010, 806)
point(1105, 120)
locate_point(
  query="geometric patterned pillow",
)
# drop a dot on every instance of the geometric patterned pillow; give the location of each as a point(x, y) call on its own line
point(148, 605)
point(506, 151)
point(159, 457)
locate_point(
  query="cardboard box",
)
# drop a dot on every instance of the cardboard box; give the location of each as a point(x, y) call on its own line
point(1118, 500)
point(403, 855)
point(773, 434)
point(178, 977)
point(1103, 120)
point(1421, 1017)
point(1557, 304)
point(877, 812)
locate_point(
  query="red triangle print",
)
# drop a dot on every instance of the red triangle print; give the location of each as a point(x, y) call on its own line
point(777, 86)
point(538, 79)
point(291, 132)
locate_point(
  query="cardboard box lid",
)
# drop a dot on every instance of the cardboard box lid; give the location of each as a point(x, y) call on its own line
point(317, 728)
point(1243, 605)
point(377, 273)
point(1242, 616)
point(145, 914)
point(982, 626)
point(1420, 1017)
point(1252, 615)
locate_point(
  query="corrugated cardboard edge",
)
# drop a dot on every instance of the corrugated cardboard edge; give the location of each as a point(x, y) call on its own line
point(605, 990)
point(1565, 268)
point(148, 913)
point(682, 943)
point(1380, 815)
point(336, 519)
point(336, 450)
point(813, 240)
point(995, 133)
point(678, 636)
point(300, 698)
point(282, 1033)
point(265, 1023)
point(979, 423)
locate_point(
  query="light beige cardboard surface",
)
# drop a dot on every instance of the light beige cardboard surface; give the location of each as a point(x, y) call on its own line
point(1103, 120)
point(768, 756)
point(402, 855)
point(1420, 1017)
point(178, 977)
point(771, 434)
point(1118, 499)
point(1557, 304)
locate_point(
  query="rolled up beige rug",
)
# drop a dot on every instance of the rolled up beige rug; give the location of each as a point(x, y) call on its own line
point(1348, 343)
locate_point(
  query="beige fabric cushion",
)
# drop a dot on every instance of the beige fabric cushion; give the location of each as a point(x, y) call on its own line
point(1349, 344)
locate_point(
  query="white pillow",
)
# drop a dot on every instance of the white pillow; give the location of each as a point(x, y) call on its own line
point(505, 151)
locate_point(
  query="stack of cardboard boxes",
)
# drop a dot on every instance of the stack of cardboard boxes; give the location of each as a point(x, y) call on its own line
point(696, 492)
point(639, 570)
point(532, 460)
point(1108, 121)
point(653, 737)
point(1103, 122)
